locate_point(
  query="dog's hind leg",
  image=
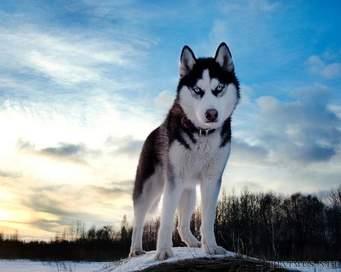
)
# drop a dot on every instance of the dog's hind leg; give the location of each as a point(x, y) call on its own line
point(140, 210)
point(149, 198)
point(185, 209)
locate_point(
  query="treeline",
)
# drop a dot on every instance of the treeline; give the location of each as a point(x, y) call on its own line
point(270, 226)
point(74, 243)
point(273, 227)
point(299, 227)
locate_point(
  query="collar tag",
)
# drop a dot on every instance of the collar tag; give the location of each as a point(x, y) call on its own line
point(203, 132)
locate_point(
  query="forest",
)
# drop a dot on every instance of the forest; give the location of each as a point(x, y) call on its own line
point(300, 227)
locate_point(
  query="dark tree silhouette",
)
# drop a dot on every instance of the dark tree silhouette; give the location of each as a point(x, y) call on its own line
point(297, 227)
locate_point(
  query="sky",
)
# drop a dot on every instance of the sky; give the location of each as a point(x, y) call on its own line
point(82, 83)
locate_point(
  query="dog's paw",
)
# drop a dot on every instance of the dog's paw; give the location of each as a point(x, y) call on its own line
point(163, 254)
point(136, 252)
point(214, 250)
point(188, 238)
point(192, 242)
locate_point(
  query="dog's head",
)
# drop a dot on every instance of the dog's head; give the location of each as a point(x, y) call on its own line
point(208, 89)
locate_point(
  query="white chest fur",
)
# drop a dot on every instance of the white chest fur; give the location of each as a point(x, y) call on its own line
point(205, 156)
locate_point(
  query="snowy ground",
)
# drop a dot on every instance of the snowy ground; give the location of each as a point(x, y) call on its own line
point(313, 267)
point(139, 263)
point(147, 260)
point(37, 266)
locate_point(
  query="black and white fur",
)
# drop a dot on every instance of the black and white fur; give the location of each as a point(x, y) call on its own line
point(190, 148)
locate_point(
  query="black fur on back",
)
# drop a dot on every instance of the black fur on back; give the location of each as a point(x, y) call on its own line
point(155, 146)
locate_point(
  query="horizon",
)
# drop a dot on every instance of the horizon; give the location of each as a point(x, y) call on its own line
point(83, 83)
point(75, 229)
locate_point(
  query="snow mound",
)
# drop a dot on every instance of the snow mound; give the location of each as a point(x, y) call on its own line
point(180, 254)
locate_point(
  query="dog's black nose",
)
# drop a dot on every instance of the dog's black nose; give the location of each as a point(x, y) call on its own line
point(211, 115)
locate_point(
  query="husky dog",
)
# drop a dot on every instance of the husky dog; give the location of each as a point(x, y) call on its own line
point(190, 148)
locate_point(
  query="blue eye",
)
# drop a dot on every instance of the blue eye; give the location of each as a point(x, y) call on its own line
point(218, 89)
point(198, 91)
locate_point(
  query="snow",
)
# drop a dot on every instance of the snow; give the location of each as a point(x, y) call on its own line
point(312, 267)
point(144, 261)
point(67, 266)
point(180, 253)
point(185, 253)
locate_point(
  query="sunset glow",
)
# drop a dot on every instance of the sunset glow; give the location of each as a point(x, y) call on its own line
point(81, 91)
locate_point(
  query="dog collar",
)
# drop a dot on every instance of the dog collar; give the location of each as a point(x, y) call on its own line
point(190, 126)
point(204, 132)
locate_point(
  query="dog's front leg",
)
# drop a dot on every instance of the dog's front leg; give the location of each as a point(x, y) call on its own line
point(209, 194)
point(171, 198)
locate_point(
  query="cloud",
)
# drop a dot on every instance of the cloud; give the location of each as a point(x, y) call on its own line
point(57, 143)
point(39, 210)
point(63, 151)
point(286, 145)
point(79, 152)
point(164, 100)
point(243, 151)
point(111, 191)
point(66, 57)
point(60, 214)
point(241, 23)
point(55, 207)
point(263, 6)
point(130, 147)
point(336, 109)
point(318, 66)
point(129, 14)
point(9, 174)
point(124, 146)
point(64, 53)
point(125, 185)
point(302, 130)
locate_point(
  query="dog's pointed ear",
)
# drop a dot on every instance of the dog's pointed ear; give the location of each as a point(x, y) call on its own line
point(187, 61)
point(224, 58)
